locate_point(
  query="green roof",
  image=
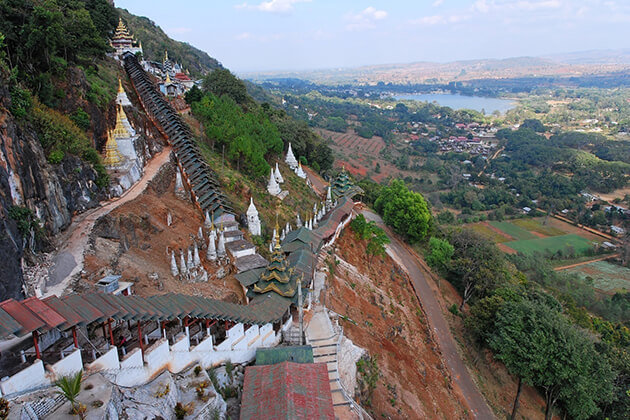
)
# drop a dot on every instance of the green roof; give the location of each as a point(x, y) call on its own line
point(296, 354)
point(247, 278)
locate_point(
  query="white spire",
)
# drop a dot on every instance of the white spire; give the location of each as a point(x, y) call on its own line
point(278, 175)
point(329, 203)
point(290, 159)
point(221, 247)
point(196, 259)
point(300, 172)
point(288, 227)
point(273, 187)
point(169, 219)
point(189, 261)
point(274, 239)
point(315, 208)
point(298, 221)
point(211, 255)
point(282, 235)
point(207, 222)
point(182, 263)
point(121, 98)
point(200, 233)
point(253, 221)
point(174, 270)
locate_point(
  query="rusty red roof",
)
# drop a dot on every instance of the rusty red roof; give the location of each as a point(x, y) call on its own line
point(8, 325)
point(71, 317)
point(28, 321)
point(287, 390)
point(44, 312)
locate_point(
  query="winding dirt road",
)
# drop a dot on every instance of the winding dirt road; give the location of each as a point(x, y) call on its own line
point(69, 260)
point(435, 317)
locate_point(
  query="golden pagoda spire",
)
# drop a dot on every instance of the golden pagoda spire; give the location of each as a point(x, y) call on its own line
point(168, 79)
point(120, 88)
point(112, 155)
point(120, 131)
point(165, 55)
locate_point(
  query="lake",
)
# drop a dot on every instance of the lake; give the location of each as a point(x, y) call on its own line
point(456, 101)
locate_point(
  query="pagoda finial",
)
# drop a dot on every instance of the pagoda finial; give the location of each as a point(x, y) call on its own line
point(165, 55)
point(120, 131)
point(168, 79)
point(120, 88)
point(112, 156)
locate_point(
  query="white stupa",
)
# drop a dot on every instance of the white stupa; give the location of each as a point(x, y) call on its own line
point(253, 221)
point(174, 270)
point(189, 260)
point(272, 186)
point(207, 222)
point(182, 263)
point(211, 255)
point(290, 159)
point(121, 98)
point(298, 221)
point(196, 260)
point(278, 175)
point(221, 246)
point(329, 203)
point(300, 172)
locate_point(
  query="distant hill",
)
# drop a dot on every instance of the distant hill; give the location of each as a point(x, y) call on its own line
point(155, 42)
point(576, 64)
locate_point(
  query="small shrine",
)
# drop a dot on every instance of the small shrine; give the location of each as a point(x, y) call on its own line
point(113, 158)
point(121, 96)
point(342, 186)
point(253, 221)
point(300, 172)
point(278, 277)
point(272, 187)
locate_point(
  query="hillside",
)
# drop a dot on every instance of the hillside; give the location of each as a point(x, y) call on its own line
point(155, 42)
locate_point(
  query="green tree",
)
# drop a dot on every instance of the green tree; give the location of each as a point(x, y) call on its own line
point(406, 211)
point(222, 82)
point(440, 253)
point(193, 95)
point(540, 347)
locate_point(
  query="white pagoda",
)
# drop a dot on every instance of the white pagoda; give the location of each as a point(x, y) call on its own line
point(278, 175)
point(272, 187)
point(300, 172)
point(121, 97)
point(253, 221)
point(290, 159)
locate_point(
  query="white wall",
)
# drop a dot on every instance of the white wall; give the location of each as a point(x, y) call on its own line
point(239, 347)
point(67, 366)
point(32, 377)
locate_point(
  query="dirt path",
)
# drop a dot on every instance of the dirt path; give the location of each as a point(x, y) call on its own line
point(435, 317)
point(69, 259)
point(566, 267)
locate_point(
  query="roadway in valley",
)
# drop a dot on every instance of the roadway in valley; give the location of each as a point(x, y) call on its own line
point(437, 322)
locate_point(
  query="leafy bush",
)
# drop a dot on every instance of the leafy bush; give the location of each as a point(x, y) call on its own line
point(55, 157)
point(81, 119)
point(21, 102)
point(26, 220)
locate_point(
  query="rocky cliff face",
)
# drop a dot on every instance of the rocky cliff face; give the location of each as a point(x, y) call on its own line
point(53, 192)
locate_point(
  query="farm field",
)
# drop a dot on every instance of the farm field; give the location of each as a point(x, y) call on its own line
point(552, 244)
point(606, 276)
point(490, 232)
point(351, 141)
point(516, 232)
point(535, 225)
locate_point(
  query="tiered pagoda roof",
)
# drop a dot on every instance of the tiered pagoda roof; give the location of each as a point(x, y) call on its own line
point(342, 186)
point(120, 131)
point(122, 35)
point(277, 277)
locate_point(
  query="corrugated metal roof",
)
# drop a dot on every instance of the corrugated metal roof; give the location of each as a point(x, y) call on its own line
point(295, 354)
point(28, 321)
point(44, 312)
point(70, 316)
point(8, 325)
point(287, 391)
point(88, 312)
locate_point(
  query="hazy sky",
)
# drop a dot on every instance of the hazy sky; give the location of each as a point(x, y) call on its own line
point(312, 34)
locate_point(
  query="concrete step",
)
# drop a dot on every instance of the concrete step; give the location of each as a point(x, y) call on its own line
point(325, 359)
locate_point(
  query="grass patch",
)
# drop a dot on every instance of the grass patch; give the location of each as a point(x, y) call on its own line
point(535, 225)
point(488, 233)
point(516, 232)
point(606, 276)
point(553, 244)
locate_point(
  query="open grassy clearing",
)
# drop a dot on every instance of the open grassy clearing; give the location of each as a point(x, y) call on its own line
point(535, 225)
point(516, 232)
point(552, 244)
point(606, 276)
point(489, 233)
